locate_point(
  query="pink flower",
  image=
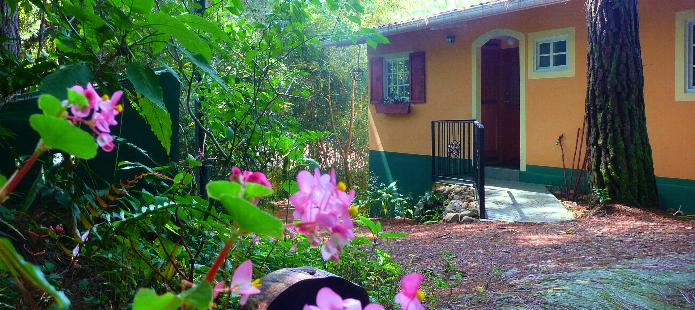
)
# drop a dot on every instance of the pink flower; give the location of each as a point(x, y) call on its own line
point(410, 295)
point(242, 283)
point(247, 176)
point(103, 114)
point(92, 100)
point(327, 299)
point(105, 141)
point(322, 208)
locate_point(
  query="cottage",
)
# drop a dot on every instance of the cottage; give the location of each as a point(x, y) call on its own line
point(519, 68)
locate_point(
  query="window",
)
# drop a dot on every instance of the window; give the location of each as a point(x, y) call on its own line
point(397, 79)
point(690, 54)
point(551, 54)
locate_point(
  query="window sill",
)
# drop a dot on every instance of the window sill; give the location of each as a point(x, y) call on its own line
point(392, 108)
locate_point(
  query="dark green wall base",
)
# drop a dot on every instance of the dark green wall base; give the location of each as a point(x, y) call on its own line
point(414, 175)
point(673, 193)
point(413, 172)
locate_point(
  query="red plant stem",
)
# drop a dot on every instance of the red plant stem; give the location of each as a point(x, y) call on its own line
point(210, 277)
point(19, 174)
point(574, 158)
point(586, 154)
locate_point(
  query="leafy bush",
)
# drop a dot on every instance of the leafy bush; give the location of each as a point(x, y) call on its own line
point(430, 208)
point(381, 200)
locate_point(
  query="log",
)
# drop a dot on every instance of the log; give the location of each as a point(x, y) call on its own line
point(292, 288)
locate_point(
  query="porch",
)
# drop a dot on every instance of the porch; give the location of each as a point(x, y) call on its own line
point(458, 157)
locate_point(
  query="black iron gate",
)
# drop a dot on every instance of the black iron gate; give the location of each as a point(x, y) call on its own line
point(457, 154)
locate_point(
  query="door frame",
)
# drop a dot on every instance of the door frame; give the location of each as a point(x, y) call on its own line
point(476, 81)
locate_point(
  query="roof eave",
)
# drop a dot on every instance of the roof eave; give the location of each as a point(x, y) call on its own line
point(477, 12)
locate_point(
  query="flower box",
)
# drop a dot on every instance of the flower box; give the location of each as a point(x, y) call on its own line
point(392, 108)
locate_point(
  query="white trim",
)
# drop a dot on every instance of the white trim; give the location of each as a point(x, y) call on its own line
point(689, 55)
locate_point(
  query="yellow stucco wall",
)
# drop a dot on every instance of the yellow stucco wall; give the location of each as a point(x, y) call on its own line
point(552, 105)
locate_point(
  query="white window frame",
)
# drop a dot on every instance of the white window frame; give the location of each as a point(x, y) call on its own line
point(393, 57)
point(552, 54)
point(689, 65)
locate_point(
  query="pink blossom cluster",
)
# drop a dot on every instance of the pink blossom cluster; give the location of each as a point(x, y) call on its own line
point(242, 177)
point(103, 111)
point(409, 297)
point(322, 208)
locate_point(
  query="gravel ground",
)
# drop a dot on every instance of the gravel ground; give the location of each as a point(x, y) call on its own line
point(493, 256)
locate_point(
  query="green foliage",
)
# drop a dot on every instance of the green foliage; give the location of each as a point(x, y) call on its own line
point(145, 82)
point(57, 133)
point(429, 209)
point(63, 78)
point(14, 264)
point(148, 299)
point(50, 105)
point(262, 81)
point(159, 120)
point(383, 200)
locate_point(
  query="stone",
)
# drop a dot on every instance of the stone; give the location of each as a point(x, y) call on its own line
point(452, 217)
point(469, 213)
point(466, 219)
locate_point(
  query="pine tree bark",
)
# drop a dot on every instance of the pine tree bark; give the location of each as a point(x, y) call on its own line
point(620, 157)
point(9, 30)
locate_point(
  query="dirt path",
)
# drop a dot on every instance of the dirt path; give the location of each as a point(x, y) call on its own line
point(495, 257)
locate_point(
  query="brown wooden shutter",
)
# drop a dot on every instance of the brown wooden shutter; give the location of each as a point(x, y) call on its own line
point(417, 77)
point(376, 79)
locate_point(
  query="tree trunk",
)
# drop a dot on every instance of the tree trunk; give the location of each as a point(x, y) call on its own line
point(620, 157)
point(10, 28)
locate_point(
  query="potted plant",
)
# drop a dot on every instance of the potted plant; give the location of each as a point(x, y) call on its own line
point(393, 105)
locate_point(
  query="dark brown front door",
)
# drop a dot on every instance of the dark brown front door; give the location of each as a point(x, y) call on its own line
point(500, 103)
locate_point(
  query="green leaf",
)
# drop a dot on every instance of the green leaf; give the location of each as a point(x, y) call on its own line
point(147, 298)
point(354, 19)
point(183, 35)
point(13, 263)
point(58, 133)
point(250, 218)
point(3, 180)
point(392, 235)
point(203, 65)
point(216, 189)
point(145, 82)
point(50, 105)
point(65, 77)
point(77, 98)
point(201, 24)
point(198, 296)
point(374, 227)
point(254, 190)
point(290, 186)
point(142, 6)
point(159, 120)
point(192, 162)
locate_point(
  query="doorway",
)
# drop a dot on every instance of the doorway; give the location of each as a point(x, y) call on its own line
point(500, 101)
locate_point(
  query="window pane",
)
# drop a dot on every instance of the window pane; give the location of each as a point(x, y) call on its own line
point(560, 46)
point(560, 60)
point(544, 48)
point(692, 33)
point(692, 55)
point(544, 62)
point(692, 77)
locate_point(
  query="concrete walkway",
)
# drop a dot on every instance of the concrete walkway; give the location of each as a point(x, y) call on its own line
point(512, 201)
